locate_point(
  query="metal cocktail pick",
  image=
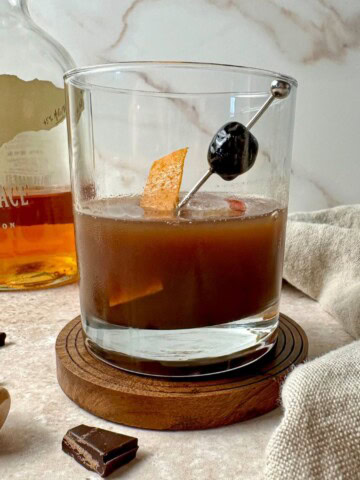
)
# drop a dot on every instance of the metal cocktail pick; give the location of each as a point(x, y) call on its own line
point(233, 149)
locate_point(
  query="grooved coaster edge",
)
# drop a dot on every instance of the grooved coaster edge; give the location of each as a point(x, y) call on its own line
point(162, 404)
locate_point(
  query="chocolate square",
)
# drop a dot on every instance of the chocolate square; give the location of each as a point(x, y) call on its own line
point(99, 450)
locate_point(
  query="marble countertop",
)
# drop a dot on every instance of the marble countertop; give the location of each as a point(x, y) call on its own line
point(30, 441)
point(315, 41)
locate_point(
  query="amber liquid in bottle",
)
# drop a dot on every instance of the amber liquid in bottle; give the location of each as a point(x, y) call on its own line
point(37, 246)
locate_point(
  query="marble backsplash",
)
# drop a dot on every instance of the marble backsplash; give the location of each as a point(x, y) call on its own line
point(315, 41)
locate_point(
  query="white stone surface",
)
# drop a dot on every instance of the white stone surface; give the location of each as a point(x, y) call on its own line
point(30, 441)
point(316, 41)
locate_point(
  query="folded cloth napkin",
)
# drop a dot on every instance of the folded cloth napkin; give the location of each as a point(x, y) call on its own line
point(319, 436)
point(322, 259)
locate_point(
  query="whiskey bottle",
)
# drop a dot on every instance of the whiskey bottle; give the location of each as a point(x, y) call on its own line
point(36, 223)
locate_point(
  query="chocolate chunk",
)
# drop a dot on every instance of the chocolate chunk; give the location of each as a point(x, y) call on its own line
point(99, 450)
point(2, 338)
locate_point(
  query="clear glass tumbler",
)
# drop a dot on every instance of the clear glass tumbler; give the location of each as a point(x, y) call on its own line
point(190, 291)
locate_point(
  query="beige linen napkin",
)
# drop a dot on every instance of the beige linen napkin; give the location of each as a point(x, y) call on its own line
point(319, 436)
point(322, 259)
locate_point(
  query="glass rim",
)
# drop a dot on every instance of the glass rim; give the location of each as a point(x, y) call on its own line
point(74, 76)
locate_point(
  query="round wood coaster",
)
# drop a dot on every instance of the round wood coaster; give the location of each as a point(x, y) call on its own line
point(163, 404)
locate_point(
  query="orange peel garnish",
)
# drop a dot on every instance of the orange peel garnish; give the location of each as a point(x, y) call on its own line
point(160, 198)
point(163, 183)
point(125, 295)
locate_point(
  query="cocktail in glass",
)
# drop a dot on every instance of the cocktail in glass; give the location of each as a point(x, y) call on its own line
point(177, 291)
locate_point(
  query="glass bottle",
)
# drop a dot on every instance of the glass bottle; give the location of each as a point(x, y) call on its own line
point(36, 223)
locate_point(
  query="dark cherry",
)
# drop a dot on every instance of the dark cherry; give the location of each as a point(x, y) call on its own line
point(232, 151)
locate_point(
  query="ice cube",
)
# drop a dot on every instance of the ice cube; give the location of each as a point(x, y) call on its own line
point(208, 205)
point(207, 202)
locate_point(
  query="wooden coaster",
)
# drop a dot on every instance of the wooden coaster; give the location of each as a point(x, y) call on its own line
point(163, 404)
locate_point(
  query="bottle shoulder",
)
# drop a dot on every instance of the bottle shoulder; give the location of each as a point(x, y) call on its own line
point(53, 45)
point(32, 53)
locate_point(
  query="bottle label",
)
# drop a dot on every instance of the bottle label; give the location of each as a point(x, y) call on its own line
point(35, 160)
point(33, 145)
point(12, 197)
point(28, 106)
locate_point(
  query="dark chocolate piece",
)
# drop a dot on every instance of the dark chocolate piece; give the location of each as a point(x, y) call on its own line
point(2, 338)
point(99, 450)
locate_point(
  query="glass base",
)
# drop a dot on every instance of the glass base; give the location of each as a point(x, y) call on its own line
point(40, 273)
point(183, 352)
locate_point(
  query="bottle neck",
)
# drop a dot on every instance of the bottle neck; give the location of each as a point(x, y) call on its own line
point(14, 7)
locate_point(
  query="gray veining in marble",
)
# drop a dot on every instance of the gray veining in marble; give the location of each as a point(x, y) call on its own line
point(316, 41)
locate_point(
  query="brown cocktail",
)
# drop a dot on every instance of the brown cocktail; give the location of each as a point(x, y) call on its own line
point(188, 272)
point(219, 262)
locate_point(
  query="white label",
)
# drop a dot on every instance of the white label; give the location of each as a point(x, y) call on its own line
point(28, 106)
point(12, 197)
